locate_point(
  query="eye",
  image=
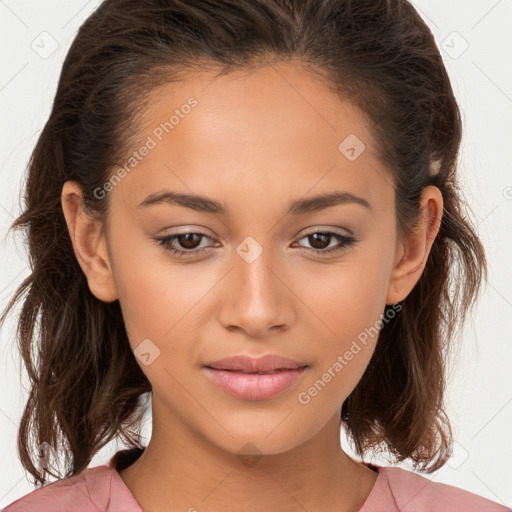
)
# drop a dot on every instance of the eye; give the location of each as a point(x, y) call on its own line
point(321, 240)
point(186, 240)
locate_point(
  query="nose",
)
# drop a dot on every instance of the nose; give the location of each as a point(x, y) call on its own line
point(257, 296)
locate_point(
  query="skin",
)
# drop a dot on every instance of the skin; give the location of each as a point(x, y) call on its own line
point(254, 142)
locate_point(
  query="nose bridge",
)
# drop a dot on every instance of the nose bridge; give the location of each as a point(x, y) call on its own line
point(257, 299)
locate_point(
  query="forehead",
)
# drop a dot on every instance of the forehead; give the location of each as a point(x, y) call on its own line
point(276, 130)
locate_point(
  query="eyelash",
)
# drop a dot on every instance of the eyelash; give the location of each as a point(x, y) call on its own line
point(346, 240)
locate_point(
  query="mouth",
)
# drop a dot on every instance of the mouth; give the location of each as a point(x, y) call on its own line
point(254, 379)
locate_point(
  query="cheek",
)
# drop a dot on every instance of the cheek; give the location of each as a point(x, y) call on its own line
point(162, 300)
point(348, 301)
point(348, 297)
point(151, 293)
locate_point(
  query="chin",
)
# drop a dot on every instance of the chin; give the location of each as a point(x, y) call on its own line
point(259, 439)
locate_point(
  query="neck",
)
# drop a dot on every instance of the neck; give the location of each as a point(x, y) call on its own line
point(184, 471)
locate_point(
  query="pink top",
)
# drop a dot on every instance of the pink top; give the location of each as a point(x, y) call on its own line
point(101, 489)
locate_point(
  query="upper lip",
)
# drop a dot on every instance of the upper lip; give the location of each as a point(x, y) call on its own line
point(265, 363)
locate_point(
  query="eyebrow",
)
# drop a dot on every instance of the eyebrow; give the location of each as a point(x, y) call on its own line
point(299, 207)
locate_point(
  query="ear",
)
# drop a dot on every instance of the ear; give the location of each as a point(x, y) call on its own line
point(413, 249)
point(89, 243)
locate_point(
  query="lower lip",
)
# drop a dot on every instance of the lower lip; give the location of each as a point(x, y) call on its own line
point(254, 386)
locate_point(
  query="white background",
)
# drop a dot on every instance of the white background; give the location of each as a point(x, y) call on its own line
point(480, 391)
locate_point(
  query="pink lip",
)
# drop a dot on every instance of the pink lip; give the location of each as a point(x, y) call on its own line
point(253, 386)
point(239, 377)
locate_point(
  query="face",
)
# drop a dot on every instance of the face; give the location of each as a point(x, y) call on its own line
point(257, 267)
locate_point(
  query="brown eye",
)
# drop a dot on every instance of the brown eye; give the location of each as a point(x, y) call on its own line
point(320, 241)
point(184, 244)
point(189, 240)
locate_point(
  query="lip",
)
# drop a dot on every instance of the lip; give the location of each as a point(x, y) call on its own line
point(249, 379)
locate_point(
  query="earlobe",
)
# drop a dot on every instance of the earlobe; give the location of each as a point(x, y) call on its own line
point(414, 249)
point(89, 244)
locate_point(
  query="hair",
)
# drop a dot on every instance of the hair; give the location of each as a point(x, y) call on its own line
point(86, 387)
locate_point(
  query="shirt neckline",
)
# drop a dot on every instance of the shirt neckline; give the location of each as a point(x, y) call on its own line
point(124, 458)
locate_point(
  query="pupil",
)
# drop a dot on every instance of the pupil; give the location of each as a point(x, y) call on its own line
point(316, 236)
point(189, 244)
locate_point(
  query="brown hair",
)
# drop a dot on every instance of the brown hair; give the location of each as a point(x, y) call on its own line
point(86, 386)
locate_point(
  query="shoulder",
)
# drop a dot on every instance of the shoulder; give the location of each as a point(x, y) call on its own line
point(416, 493)
point(88, 491)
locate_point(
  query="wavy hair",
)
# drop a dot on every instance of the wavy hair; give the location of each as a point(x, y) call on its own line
point(86, 387)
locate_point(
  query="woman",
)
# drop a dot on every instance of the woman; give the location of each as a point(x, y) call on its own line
point(247, 211)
